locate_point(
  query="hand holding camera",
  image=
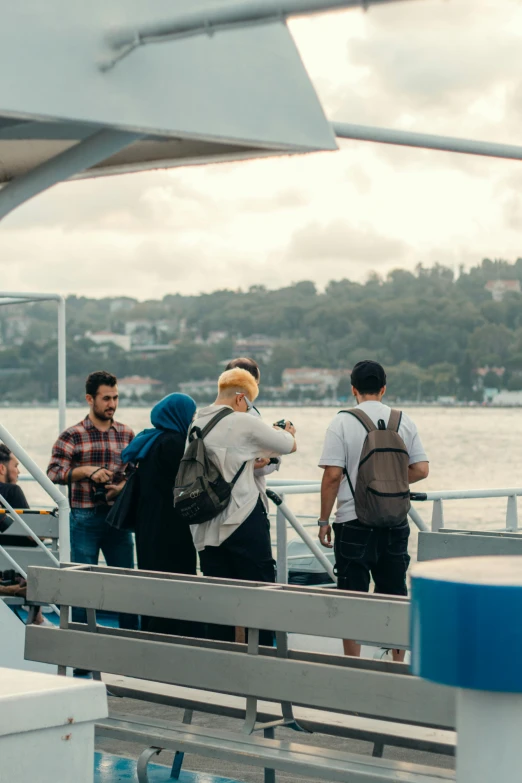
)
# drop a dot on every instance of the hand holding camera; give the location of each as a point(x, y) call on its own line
point(285, 425)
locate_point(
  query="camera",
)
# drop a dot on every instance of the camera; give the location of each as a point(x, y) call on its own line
point(282, 423)
point(99, 494)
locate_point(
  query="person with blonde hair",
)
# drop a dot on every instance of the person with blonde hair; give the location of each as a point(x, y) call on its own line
point(236, 544)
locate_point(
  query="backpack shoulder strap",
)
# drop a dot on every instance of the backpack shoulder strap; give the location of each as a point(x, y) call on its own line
point(363, 417)
point(215, 420)
point(395, 420)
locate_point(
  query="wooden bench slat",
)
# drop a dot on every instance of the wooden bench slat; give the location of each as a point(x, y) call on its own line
point(309, 761)
point(325, 613)
point(434, 546)
point(317, 721)
point(374, 694)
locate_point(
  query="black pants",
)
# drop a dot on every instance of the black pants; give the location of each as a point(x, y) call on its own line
point(362, 551)
point(245, 555)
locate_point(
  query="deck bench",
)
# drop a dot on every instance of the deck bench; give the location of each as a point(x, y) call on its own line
point(298, 687)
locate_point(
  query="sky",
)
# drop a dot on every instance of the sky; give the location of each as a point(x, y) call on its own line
point(438, 66)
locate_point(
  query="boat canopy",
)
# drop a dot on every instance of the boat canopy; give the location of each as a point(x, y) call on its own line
point(237, 91)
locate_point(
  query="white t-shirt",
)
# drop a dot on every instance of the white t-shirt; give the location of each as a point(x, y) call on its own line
point(344, 442)
point(260, 474)
point(236, 439)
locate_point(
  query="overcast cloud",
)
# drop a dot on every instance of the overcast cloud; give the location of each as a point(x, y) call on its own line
point(441, 66)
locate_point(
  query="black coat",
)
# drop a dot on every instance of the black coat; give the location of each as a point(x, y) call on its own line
point(163, 540)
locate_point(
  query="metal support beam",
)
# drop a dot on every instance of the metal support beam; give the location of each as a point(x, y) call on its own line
point(428, 141)
point(123, 41)
point(87, 153)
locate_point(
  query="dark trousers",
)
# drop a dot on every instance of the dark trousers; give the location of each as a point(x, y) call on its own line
point(245, 555)
point(90, 533)
point(363, 552)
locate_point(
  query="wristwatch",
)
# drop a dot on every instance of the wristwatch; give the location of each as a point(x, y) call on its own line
point(323, 522)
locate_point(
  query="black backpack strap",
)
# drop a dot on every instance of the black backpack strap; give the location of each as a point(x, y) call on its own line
point(363, 417)
point(395, 420)
point(238, 474)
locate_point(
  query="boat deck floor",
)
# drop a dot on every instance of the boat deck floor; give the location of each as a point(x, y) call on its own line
point(115, 769)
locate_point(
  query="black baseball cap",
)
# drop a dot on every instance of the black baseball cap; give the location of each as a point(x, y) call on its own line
point(368, 377)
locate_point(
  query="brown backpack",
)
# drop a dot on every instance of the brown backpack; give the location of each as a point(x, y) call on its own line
point(382, 489)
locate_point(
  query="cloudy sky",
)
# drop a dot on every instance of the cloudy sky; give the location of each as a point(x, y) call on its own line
point(440, 66)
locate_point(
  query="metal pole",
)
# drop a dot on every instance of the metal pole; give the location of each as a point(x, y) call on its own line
point(418, 520)
point(512, 513)
point(345, 130)
point(62, 365)
point(46, 484)
point(282, 543)
point(125, 40)
point(312, 545)
point(87, 153)
point(437, 517)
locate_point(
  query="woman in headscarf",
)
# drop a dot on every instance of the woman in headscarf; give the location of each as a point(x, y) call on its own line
point(163, 540)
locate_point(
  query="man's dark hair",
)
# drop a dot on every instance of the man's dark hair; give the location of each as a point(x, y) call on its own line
point(244, 363)
point(97, 379)
point(5, 454)
point(368, 377)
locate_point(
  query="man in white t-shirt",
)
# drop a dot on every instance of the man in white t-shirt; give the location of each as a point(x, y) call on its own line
point(361, 551)
point(236, 544)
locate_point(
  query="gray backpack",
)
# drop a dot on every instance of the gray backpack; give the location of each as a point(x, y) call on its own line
point(382, 490)
point(200, 491)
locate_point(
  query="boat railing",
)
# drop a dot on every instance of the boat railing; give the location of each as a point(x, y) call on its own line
point(56, 495)
point(279, 489)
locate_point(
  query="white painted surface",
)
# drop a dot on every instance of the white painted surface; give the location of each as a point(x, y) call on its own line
point(489, 727)
point(47, 727)
point(12, 634)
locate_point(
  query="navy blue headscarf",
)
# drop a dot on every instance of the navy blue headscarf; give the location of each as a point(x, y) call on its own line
point(174, 413)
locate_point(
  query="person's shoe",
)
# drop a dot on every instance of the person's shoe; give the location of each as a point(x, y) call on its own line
point(81, 673)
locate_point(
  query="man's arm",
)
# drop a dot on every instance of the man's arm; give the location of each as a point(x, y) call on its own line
point(332, 478)
point(61, 461)
point(418, 471)
point(272, 441)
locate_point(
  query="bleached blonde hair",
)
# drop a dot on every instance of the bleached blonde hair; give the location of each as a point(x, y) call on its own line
point(237, 381)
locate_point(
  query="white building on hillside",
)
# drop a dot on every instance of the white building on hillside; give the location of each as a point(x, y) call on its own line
point(123, 341)
point(137, 386)
point(312, 380)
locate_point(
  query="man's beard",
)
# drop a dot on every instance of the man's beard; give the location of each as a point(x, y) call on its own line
point(102, 415)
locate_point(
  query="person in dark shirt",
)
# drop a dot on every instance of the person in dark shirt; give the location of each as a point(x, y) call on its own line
point(163, 540)
point(13, 494)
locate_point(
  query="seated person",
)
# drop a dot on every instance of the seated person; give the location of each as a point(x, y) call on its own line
point(14, 495)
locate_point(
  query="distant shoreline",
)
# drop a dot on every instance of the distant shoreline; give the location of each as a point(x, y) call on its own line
point(280, 404)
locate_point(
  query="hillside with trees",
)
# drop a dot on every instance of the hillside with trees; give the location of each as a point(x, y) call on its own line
point(432, 329)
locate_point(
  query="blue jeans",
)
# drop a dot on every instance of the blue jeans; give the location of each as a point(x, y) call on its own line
point(90, 533)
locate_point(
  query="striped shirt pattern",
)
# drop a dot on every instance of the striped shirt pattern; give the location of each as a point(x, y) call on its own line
point(85, 444)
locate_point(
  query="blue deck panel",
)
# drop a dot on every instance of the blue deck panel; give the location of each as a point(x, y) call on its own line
point(116, 769)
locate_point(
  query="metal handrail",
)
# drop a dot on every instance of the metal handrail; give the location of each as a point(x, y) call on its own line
point(310, 487)
point(53, 491)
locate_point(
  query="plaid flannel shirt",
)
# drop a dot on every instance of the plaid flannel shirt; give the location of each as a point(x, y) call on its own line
point(85, 444)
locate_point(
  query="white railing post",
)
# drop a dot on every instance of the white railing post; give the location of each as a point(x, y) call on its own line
point(282, 541)
point(437, 517)
point(417, 519)
point(311, 543)
point(512, 513)
point(62, 365)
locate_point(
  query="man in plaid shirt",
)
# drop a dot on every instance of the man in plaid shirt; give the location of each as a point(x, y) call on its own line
point(87, 457)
